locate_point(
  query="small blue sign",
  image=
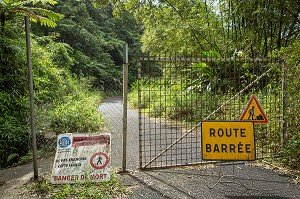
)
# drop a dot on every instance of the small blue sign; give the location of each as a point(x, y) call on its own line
point(64, 142)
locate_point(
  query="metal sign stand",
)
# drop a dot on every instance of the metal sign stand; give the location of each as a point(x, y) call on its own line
point(234, 178)
point(221, 177)
point(223, 141)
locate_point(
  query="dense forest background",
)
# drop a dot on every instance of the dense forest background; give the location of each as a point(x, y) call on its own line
point(77, 55)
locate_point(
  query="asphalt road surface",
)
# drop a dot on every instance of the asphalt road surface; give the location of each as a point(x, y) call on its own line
point(224, 180)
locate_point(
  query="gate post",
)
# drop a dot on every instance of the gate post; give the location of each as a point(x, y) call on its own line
point(125, 85)
point(140, 111)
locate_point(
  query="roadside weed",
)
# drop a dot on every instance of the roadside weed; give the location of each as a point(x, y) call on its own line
point(108, 189)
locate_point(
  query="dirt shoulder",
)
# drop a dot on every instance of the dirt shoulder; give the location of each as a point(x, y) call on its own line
point(12, 179)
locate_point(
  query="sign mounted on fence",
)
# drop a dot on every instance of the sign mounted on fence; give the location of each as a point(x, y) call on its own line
point(227, 140)
point(254, 112)
point(81, 158)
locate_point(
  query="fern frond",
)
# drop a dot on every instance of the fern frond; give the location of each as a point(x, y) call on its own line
point(23, 11)
point(46, 22)
point(53, 16)
point(51, 2)
point(33, 2)
point(40, 15)
point(2, 4)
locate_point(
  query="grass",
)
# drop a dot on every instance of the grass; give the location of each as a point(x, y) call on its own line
point(109, 189)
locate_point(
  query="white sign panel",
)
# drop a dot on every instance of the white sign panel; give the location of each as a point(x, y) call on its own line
point(82, 158)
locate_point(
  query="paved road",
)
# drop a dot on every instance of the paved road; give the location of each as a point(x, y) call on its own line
point(112, 110)
point(235, 180)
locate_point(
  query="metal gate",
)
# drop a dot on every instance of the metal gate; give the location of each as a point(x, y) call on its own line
point(176, 94)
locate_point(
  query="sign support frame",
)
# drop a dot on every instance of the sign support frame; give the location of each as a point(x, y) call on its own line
point(228, 177)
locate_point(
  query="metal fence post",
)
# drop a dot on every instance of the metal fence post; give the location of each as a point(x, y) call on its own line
point(125, 85)
point(284, 105)
point(31, 97)
point(140, 111)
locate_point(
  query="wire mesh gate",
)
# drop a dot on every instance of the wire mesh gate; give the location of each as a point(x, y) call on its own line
point(176, 94)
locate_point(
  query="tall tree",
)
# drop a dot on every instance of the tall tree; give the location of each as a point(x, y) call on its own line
point(97, 37)
point(222, 27)
point(260, 26)
point(185, 26)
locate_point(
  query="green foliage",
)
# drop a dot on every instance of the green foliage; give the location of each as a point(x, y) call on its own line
point(172, 102)
point(187, 26)
point(14, 102)
point(57, 94)
point(37, 12)
point(75, 116)
point(64, 73)
point(12, 156)
point(97, 38)
point(290, 151)
point(109, 189)
point(259, 27)
point(216, 28)
point(13, 139)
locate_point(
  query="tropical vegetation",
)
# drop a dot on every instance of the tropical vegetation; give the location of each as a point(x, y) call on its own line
point(77, 54)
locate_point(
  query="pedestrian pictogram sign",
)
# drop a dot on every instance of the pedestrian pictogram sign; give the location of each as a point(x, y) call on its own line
point(227, 140)
point(254, 112)
point(99, 160)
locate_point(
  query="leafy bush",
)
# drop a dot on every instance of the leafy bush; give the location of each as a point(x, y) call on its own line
point(291, 152)
point(14, 103)
point(171, 101)
point(75, 116)
point(13, 139)
point(63, 103)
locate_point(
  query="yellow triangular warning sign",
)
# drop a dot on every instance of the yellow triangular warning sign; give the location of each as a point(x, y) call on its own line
point(254, 112)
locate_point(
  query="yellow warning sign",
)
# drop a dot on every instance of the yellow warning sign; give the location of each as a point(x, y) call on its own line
point(254, 112)
point(227, 140)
